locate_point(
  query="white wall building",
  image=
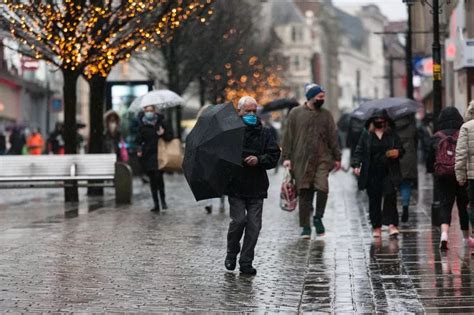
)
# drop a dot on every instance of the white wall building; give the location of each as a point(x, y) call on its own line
point(297, 45)
point(361, 56)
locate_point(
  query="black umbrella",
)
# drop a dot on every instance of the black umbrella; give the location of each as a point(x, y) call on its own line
point(396, 108)
point(283, 103)
point(214, 151)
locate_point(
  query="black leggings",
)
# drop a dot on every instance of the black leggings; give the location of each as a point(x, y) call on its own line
point(157, 184)
point(385, 214)
point(448, 192)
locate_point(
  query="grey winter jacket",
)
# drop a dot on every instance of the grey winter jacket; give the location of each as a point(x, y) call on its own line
point(465, 147)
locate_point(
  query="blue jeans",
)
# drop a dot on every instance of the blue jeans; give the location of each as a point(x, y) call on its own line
point(405, 192)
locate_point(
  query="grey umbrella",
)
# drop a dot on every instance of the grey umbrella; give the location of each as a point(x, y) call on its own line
point(396, 107)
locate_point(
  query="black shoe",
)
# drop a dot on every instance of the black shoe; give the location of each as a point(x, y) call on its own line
point(164, 205)
point(248, 270)
point(155, 209)
point(208, 209)
point(405, 214)
point(230, 263)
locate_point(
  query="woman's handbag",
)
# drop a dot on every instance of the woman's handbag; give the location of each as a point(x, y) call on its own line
point(288, 196)
point(170, 155)
point(123, 151)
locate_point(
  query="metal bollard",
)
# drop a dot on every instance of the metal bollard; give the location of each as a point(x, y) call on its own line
point(123, 183)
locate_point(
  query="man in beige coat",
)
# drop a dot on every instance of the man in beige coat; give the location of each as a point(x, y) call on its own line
point(311, 151)
point(465, 157)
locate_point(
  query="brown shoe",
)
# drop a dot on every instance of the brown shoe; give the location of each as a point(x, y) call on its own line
point(377, 233)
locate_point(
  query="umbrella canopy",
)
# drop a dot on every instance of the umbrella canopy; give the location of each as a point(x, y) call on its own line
point(283, 103)
point(160, 98)
point(214, 151)
point(396, 108)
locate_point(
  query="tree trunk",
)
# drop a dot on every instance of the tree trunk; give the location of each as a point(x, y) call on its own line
point(96, 123)
point(202, 91)
point(96, 113)
point(174, 83)
point(70, 131)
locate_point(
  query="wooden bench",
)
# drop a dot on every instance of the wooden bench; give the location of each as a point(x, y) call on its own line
point(52, 171)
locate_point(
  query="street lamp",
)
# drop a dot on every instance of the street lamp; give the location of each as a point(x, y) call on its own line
point(408, 50)
point(437, 73)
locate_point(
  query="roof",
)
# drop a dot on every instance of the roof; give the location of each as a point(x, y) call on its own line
point(285, 12)
point(352, 27)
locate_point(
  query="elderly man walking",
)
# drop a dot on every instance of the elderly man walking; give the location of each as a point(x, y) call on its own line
point(311, 151)
point(248, 190)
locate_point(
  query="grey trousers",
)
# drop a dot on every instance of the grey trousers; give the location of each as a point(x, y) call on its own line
point(306, 197)
point(246, 215)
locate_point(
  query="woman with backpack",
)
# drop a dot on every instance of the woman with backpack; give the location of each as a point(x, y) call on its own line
point(376, 161)
point(441, 162)
point(464, 167)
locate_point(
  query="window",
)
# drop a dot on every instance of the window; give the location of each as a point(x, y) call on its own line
point(296, 62)
point(296, 34)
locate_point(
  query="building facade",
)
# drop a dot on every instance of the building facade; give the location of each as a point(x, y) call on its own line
point(459, 55)
point(395, 58)
point(362, 74)
point(27, 89)
point(309, 36)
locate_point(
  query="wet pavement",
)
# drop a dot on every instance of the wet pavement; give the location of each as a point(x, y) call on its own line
point(95, 257)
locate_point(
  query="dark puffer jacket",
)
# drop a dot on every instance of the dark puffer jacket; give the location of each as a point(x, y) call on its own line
point(252, 181)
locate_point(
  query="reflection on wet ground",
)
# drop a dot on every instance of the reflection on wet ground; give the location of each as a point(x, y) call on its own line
point(95, 257)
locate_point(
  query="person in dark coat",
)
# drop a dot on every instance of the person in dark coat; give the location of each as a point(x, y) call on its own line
point(425, 132)
point(406, 130)
point(449, 191)
point(247, 190)
point(3, 142)
point(17, 141)
point(376, 161)
point(266, 120)
point(55, 140)
point(113, 139)
point(152, 127)
point(354, 130)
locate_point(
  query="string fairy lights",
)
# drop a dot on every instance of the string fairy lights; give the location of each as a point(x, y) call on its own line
point(90, 36)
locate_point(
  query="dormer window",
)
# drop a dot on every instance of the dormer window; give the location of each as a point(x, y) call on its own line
point(296, 33)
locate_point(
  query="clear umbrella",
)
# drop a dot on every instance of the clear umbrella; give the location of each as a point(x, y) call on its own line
point(162, 99)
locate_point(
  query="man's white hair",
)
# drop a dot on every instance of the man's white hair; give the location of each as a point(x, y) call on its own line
point(246, 100)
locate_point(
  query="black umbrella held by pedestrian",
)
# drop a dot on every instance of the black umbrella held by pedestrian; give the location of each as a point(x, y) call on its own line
point(214, 151)
point(280, 104)
point(396, 108)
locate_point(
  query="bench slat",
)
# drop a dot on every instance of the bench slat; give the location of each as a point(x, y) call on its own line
point(90, 165)
point(53, 178)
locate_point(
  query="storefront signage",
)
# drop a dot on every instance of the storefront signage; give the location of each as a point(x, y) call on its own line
point(465, 54)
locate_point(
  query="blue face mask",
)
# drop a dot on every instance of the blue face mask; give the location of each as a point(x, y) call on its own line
point(149, 115)
point(250, 119)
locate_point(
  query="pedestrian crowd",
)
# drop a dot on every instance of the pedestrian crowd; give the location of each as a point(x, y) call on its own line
point(384, 160)
point(383, 155)
point(21, 140)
